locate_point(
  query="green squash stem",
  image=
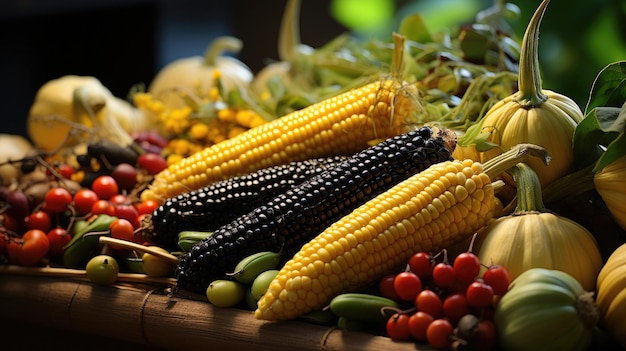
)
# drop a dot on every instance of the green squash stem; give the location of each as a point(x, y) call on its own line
point(289, 35)
point(219, 46)
point(529, 196)
point(529, 80)
point(509, 159)
point(587, 310)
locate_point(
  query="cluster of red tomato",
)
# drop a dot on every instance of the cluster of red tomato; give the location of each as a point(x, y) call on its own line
point(447, 303)
point(30, 233)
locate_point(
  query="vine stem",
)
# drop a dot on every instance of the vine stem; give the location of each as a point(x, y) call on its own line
point(529, 81)
point(141, 248)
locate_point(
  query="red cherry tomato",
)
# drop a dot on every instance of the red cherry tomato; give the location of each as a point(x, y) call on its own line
point(386, 288)
point(65, 170)
point(126, 175)
point(122, 229)
point(479, 294)
point(407, 285)
point(57, 200)
point(439, 333)
point(84, 200)
point(443, 275)
point(147, 206)
point(105, 186)
point(119, 199)
point(418, 323)
point(152, 163)
point(398, 326)
point(485, 335)
point(39, 220)
point(466, 267)
point(58, 238)
point(420, 263)
point(10, 223)
point(103, 207)
point(499, 279)
point(29, 249)
point(429, 301)
point(4, 238)
point(128, 212)
point(454, 307)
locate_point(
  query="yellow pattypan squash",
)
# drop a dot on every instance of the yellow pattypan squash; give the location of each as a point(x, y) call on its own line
point(199, 73)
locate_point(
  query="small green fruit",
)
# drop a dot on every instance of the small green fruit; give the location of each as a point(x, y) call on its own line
point(102, 269)
point(262, 282)
point(155, 266)
point(225, 293)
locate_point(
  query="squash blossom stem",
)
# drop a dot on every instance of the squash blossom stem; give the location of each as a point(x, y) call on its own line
point(529, 195)
point(529, 94)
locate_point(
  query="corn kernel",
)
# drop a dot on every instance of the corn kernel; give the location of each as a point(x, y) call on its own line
point(316, 134)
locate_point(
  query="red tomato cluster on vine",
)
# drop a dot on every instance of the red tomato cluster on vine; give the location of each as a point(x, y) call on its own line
point(34, 232)
point(445, 303)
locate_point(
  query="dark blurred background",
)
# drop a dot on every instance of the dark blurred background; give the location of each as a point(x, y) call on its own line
point(125, 42)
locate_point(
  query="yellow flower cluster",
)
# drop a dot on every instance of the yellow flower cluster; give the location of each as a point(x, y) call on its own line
point(174, 120)
point(204, 119)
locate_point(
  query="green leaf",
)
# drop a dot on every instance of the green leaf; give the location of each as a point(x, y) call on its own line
point(599, 137)
point(474, 136)
point(413, 28)
point(609, 87)
point(617, 147)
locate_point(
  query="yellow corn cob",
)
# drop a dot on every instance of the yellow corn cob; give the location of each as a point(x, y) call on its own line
point(430, 211)
point(339, 125)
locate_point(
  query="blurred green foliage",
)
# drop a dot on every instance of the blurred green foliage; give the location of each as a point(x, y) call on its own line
point(577, 39)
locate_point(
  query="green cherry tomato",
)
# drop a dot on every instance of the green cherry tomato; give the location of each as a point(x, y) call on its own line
point(262, 282)
point(225, 293)
point(102, 269)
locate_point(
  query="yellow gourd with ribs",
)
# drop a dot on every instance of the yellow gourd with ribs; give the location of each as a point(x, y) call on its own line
point(73, 109)
point(609, 182)
point(611, 294)
point(534, 115)
point(535, 237)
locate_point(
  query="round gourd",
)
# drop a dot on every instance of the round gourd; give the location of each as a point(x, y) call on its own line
point(534, 115)
point(64, 104)
point(609, 182)
point(519, 242)
point(191, 74)
point(545, 309)
point(611, 295)
point(14, 148)
point(533, 237)
point(53, 111)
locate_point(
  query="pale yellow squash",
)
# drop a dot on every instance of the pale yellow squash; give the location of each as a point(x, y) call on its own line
point(611, 295)
point(86, 108)
point(609, 182)
point(194, 74)
point(534, 237)
point(534, 115)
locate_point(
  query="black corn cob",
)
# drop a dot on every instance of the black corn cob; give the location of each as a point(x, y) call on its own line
point(292, 218)
point(210, 207)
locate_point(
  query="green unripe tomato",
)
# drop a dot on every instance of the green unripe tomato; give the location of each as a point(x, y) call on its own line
point(102, 269)
point(225, 293)
point(250, 300)
point(262, 282)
